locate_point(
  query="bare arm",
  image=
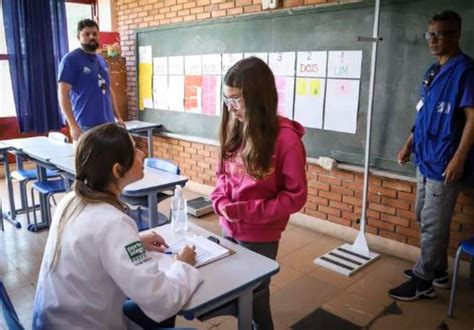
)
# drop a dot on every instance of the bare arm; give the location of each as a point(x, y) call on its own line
point(405, 152)
point(114, 106)
point(455, 167)
point(66, 108)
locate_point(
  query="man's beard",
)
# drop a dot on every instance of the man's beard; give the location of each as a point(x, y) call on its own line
point(91, 46)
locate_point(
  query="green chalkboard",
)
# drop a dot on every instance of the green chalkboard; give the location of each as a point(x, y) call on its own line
point(403, 58)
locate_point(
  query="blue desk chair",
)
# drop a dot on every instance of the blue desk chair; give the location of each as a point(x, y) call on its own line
point(47, 187)
point(468, 248)
point(9, 313)
point(142, 201)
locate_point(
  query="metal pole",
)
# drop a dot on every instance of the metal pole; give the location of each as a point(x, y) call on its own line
point(361, 243)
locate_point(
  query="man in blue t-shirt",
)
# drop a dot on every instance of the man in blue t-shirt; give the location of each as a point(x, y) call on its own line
point(443, 142)
point(85, 96)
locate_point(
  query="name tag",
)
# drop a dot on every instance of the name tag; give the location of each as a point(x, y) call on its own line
point(419, 105)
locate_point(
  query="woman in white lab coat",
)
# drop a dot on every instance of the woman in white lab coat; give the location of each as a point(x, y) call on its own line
point(95, 257)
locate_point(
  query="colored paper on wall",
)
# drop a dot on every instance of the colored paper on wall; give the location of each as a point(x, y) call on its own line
point(160, 92)
point(282, 64)
point(145, 86)
point(192, 94)
point(309, 102)
point(342, 103)
point(176, 93)
point(311, 64)
point(345, 64)
point(286, 89)
point(211, 95)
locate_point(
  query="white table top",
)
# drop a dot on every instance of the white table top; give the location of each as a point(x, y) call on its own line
point(22, 143)
point(152, 179)
point(49, 149)
point(65, 164)
point(137, 125)
point(3, 146)
point(225, 277)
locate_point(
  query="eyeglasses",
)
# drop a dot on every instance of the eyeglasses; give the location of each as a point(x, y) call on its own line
point(439, 35)
point(232, 102)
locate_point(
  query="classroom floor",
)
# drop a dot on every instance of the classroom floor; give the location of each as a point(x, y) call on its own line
point(297, 290)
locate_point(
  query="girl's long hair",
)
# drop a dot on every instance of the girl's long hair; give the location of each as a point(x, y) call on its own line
point(97, 152)
point(254, 138)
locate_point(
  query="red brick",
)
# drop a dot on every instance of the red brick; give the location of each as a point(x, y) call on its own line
point(342, 190)
point(393, 236)
point(227, 5)
point(339, 221)
point(374, 198)
point(341, 206)
point(330, 180)
point(413, 241)
point(318, 185)
point(382, 208)
point(398, 185)
point(410, 232)
point(241, 3)
point(380, 224)
point(406, 214)
point(218, 13)
point(330, 195)
point(395, 220)
point(345, 175)
point(317, 214)
point(197, 10)
point(383, 191)
point(329, 210)
point(320, 201)
point(398, 203)
point(350, 216)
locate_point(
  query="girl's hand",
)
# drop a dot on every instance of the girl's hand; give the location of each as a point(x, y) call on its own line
point(153, 242)
point(226, 216)
point(187, 255)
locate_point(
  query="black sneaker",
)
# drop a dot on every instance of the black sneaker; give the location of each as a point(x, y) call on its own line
point(415, 288)
point(440, 281)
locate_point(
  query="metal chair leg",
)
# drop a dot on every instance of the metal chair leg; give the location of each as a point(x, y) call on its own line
point(34, 210)
point(455, 279)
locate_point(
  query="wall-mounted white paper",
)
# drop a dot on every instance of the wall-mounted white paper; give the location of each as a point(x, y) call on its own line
point(160, 92)
point(230, 59)
point(311, 64)
point(144, 54)
point(176, 93)
point(160, 65)
point(282, 64)
point(211, 64)
point(309, 102)
point(262, 56)
point(176, 65)
point(193, 65)
point(345, 64)
point(342, 103)
point(286, 89)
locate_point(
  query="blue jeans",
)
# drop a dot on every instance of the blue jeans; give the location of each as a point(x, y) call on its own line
point(134, 313)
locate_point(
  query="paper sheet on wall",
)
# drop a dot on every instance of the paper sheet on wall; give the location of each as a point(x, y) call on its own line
point(262, 56)
point(192, 94)
point(160, 65)
point(311, 64)
point(160, 92)
point(285, 88)
point(230, 59)
point(145, 55)
point(176, 65)
point(342, 103)
point(309, 102)
point(211, 95)
point(193, 65)
point(176, 93)
point(145, 94)
point(211, 64)
point(282, 64)
point(345, 64)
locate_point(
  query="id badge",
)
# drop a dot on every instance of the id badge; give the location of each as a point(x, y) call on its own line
point(419, 105)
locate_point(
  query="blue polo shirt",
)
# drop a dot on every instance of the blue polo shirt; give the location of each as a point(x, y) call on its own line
point(440, 122)
point(91, 105)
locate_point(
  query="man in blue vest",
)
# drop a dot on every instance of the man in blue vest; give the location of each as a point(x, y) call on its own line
point(442, 140)
point(85, 96)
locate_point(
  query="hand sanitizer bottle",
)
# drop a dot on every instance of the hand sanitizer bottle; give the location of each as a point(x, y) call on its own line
point(179, 215)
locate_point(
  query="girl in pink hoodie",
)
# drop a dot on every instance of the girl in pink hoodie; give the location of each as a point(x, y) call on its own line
point(261, 170)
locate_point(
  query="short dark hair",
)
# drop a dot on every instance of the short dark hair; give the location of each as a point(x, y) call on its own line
point(448, 16)
point(86, 23)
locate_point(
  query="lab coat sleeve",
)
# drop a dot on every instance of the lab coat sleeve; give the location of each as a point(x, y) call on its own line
point(160, 293)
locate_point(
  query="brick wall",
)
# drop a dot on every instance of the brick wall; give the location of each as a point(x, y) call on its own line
point(334, 196)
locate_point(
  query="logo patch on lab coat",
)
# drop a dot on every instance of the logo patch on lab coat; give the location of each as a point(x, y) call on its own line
point(137, 253)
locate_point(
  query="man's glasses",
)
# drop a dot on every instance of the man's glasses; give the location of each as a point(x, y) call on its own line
point(232, 102)
point(440, 35)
